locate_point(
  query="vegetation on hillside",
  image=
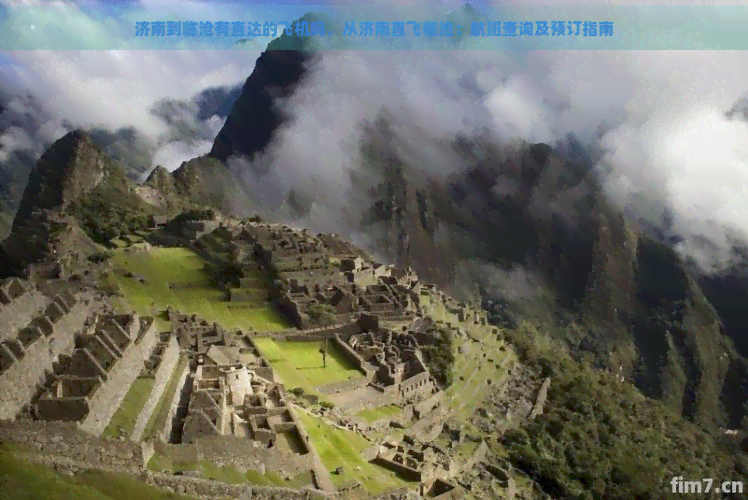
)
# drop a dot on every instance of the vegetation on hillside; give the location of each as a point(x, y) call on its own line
point(600, 438)
point(21, 480)
point(112, 208)
point(323, 314)
point(439, 357)
point(196, 214)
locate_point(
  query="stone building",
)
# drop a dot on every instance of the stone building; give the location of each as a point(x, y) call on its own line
point(20, 301)
point(196, 334)
point(96, 378)
point(413, 460)
point(300, 296)
point(29, 354)
point(389, 302)
point(234, 400)
point(428, 464)
point(285, 249)
point(392, 363)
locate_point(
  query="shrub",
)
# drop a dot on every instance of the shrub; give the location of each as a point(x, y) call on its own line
point(439, 356)
point(321, 313)
point(196, 214)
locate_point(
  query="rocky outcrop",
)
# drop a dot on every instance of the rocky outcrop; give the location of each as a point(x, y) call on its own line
point(72, 166)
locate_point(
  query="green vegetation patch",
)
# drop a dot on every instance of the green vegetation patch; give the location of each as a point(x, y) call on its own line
point(343, 448)
point(374, 414)
point(123, 420)
point(468, 371)
point(440, 356)
point(161, 412)
point(600, 438)
point(162, 266)
point(227, 474)
point(299, 364)
point(112, 208)
point(22, 480)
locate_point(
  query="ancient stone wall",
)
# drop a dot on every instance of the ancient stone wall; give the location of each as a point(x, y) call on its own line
point(165, 433)
point(207, 488)
point(417, 385)
point(65, 439)
point(18, 383)
point(313, 334)
point(20, 310)
point(161, 378)
point(352, 356)
point(250, 455)
point(428, 404)
point(342, 386)
point(402, 469)
point(110, 394)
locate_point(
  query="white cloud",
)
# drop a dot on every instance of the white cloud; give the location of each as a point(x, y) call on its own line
point(662, 113)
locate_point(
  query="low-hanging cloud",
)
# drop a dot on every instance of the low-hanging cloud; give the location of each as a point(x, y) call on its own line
point(666, 131)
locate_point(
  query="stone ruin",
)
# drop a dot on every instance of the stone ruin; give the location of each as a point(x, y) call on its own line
point(422, 462)
point(61, 360)
point(284, 249)
point(237, 413)
point(232, 399)
point(391, 362)
point(36, 331)
point(300, 296)
point(91, 384)
point(389, 302)
point(195, 334)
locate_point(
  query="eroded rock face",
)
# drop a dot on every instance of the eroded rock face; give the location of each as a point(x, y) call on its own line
point(72, 166)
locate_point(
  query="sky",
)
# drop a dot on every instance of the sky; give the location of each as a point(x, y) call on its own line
point(668, 126)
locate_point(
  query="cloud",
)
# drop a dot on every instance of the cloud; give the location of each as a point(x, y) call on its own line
point(666, 129)
point(111, 92)
point(654, 123)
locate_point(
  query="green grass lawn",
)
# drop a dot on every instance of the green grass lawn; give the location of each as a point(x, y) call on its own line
point(227, 474)
point(163, 265)
point(161, 412)
point(21, 480)
point(299, 364)
point(123, 420)
point(342, 448)
point(374, 414)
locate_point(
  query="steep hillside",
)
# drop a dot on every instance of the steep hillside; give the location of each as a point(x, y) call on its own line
point(516, 224)
point(537, 233)
point(76, 196)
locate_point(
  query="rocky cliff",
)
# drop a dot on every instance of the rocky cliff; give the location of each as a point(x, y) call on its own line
point(71, 167)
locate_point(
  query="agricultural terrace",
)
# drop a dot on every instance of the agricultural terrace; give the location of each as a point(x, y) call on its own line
point(165, 461)
point(339, 447)
point(374, 414)
point(198, 293)
point(471, 369)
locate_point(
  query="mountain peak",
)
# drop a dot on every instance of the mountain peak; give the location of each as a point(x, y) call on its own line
point(158, 177)
point(71, 166)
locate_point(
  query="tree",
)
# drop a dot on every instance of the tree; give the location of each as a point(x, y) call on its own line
point(323, 350)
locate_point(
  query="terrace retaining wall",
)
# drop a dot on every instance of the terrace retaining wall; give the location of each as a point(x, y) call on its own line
point(163, 375)
point(165, 433)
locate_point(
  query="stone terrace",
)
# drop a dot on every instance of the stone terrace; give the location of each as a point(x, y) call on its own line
point(98, 375)
point(27, 358)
